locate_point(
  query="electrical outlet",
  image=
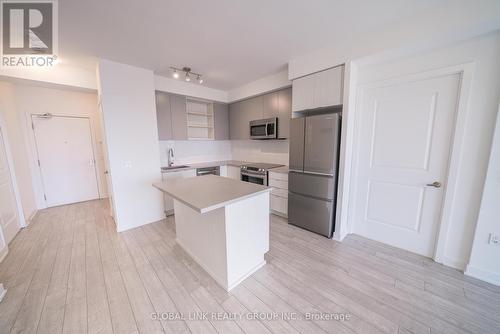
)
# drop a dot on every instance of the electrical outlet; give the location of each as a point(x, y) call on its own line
point(494, 239)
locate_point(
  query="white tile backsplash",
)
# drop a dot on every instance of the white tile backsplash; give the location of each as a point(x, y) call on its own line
point(272, 151)
point(193, 151)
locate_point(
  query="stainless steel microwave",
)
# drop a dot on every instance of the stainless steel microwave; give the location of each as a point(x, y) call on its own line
point(264, 128)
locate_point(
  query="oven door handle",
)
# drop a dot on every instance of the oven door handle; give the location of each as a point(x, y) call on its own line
point(254, 175)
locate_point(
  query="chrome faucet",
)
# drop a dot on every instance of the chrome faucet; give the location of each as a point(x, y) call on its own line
point(170, 157)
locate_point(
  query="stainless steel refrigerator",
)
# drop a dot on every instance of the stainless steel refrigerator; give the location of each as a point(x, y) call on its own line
point(312, 181)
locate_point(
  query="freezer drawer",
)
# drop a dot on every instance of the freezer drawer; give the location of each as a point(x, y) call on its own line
point(311, 214)
point(321, 186)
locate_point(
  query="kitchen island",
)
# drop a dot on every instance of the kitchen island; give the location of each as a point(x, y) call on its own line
point(223, 224)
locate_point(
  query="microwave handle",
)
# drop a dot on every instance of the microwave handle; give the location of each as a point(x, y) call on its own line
point(267, 124)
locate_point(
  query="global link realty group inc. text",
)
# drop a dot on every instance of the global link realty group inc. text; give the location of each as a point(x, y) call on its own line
point(260, 316)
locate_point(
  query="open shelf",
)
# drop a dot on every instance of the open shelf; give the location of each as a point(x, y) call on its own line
point(200, 120)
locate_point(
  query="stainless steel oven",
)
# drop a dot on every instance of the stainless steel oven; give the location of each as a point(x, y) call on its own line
point(256, 172)
point(264, 128)
point(253, 176)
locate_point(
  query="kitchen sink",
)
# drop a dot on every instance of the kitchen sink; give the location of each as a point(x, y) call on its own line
point(174, 167)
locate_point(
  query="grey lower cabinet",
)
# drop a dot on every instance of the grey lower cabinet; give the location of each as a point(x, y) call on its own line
point(163, 115)
point(221, 121)
point(179, 117)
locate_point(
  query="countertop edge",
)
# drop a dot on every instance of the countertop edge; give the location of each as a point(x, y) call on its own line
point(195, 165)
point(215, 206)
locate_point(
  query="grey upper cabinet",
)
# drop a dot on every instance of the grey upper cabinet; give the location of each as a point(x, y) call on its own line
point(284, 112)
point(221, 121)
point(252, 109)
point(236, 122)
point(179, 117)
point(276, 104)
point(163, 115)
point(270, 105)
point(322, 89)
point(240, 115)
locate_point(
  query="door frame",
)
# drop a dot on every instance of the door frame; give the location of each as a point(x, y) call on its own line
point(13, 179)
point(37, 167)
point(465, 72)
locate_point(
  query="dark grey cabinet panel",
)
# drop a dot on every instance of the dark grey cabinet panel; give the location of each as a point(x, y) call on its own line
point(179, 117)
point(221, 121)
point(236, 120)
point(163, 115)
point(276, 104)
point(270, 105)
point(252, 110)
point(284, 112)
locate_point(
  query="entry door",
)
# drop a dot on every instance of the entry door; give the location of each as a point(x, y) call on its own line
point(404, 147)
point(9, 217)
point(66, 159)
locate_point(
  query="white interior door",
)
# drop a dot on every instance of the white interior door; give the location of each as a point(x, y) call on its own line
point(404, 146)
point(9, 217)
point(66, 159)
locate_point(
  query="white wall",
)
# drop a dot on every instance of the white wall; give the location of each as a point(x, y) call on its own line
point(484, 52)
point(15, 130)
point(192, 89)
point(193, 151)
point(61, 74)
point(65, 102)
point(260, 86)
point(19, 99)
point(441, 27)
point(485, 258)
point(129, 113)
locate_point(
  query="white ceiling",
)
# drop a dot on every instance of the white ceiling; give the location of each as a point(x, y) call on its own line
point(231, 42)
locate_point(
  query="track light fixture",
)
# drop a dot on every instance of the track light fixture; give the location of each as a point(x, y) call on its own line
point(188, 73)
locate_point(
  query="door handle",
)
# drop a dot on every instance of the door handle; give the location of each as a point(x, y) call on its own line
point(434, 184)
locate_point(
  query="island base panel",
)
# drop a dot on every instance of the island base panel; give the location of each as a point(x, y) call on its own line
point(229, 243)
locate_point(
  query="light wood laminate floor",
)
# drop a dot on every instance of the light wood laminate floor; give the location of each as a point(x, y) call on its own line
point(70, 272)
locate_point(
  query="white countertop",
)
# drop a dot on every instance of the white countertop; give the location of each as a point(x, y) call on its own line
point(209, 192)
point(282, 170)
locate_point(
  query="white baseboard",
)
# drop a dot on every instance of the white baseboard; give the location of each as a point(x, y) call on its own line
point(454, 263)
point(3, 291)
point(3, 253)
point(279, 214)
point(483, 275)
point(31, 217)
